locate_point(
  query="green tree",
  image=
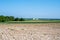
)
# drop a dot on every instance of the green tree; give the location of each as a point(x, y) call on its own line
point(11, 18)
point(2, 18)
point(16, 19)
point(6, 18)
point(21, 19)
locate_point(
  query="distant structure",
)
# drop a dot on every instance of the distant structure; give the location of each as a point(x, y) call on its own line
point(35, 18)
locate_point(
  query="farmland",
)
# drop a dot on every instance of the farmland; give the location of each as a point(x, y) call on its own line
point(18, 31)
point(31, 22)
point(28, 29)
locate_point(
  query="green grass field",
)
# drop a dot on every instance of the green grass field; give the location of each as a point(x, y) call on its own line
point(36, 21)
point(33, 21)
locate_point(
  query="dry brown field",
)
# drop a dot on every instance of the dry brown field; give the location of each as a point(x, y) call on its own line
point(47, 31)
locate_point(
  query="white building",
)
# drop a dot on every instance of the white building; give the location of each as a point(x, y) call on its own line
point(35, 18)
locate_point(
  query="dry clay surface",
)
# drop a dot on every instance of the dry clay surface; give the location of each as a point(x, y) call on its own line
point(50, 31)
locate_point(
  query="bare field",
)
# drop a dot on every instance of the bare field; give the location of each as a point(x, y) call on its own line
point(48, 31)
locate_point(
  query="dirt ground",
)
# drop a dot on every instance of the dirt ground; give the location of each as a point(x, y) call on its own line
point(48, 31)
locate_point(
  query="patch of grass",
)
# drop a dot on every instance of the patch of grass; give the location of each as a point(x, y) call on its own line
point(33, 22)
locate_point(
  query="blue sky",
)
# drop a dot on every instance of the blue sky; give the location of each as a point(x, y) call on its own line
point(30, 8)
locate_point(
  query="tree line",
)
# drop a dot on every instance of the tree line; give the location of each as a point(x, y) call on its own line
point(10, 18)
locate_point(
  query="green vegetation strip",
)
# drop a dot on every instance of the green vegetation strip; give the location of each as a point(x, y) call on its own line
point(32, 22)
